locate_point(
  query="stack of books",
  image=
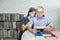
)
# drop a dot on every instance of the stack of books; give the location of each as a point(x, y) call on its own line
point(49, 35)
point(53, 36)
point(46, 34)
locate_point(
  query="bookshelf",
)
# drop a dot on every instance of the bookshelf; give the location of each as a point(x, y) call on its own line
point(10, 26)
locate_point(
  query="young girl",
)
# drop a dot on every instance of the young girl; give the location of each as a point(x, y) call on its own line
point(27, 20)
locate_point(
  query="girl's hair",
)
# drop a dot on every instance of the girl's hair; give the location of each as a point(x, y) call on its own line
point(31, 10)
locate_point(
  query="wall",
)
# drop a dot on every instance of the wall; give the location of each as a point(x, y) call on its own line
point(52, 8)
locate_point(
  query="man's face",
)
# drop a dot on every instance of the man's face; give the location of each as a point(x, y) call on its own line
point(40, 12)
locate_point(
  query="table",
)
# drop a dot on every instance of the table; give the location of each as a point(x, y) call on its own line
point(30, 36)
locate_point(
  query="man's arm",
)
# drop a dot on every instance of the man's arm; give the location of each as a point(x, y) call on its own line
point(50, 25)
point(52, 28)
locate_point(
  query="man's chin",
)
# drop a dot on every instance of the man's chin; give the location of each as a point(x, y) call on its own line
point(40, 17)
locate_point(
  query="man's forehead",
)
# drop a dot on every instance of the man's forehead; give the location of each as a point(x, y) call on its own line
point(40, 9)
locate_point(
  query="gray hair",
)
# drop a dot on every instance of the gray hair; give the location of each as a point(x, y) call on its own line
point(40, 7)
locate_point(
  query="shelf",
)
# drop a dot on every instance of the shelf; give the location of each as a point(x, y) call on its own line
point(9, 26)
point(9, 37)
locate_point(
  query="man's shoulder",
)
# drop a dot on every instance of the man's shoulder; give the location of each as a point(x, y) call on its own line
point(47, 18)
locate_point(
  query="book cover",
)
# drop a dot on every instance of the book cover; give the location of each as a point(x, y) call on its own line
point(53, 36)
point(14, 25)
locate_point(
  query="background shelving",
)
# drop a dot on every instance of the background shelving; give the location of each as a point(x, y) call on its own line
point(10, 26)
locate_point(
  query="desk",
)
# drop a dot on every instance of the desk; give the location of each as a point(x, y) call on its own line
point(30, 36)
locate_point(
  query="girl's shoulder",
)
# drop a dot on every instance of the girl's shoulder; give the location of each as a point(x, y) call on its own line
point(25, 18)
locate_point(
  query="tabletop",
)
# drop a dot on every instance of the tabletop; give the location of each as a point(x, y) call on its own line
point(30, 36)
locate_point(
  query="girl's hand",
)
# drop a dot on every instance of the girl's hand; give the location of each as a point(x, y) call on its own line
point(30, 20)
point(34, 30)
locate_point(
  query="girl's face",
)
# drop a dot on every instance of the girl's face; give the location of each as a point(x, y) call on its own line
point(32, 14)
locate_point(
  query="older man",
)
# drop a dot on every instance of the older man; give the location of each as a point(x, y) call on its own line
point(41, 20)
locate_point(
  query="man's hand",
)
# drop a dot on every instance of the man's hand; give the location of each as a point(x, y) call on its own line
point(52, 28)
point(47, 29)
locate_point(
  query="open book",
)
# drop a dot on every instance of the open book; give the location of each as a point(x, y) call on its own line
point(40, 27)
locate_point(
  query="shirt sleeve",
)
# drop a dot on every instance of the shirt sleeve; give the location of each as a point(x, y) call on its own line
point(23, 21)
point(49, 22)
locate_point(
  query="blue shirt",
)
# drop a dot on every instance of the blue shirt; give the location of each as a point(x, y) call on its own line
point(44, 21)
